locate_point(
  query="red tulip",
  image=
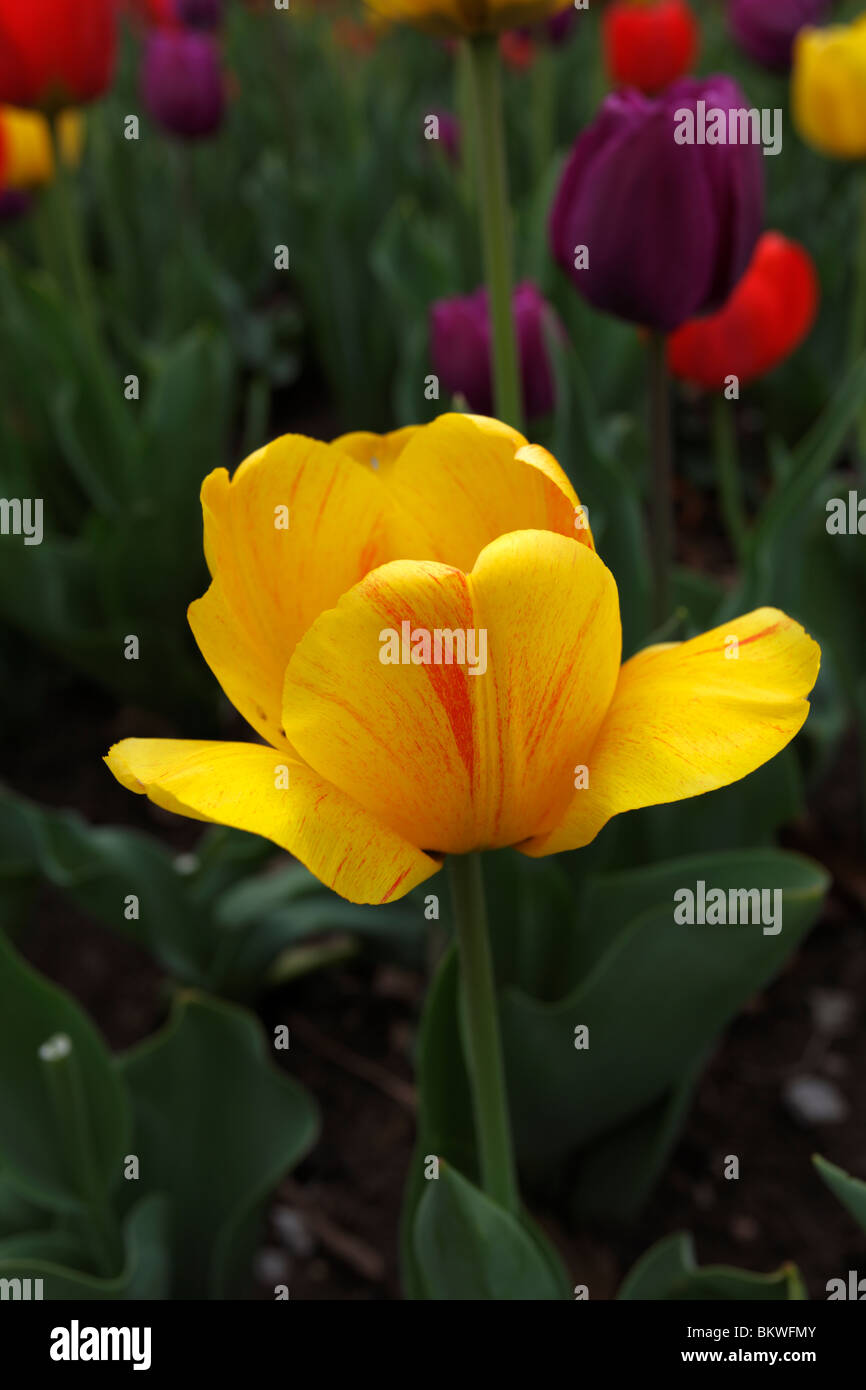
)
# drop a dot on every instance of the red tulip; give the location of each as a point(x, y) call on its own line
point(649, 44)
point(768, 315)
point(55, 53)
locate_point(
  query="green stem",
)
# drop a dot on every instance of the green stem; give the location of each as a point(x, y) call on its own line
point(662, 480)
point(489, 145)
point(728, 477)
point(481, 1025)
point(543, 80)
point(858, 310)
point(63, 1080)
point(69, 227)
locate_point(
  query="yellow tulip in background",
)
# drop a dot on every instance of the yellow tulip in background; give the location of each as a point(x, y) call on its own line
point(371, 773)
point(466, 18)
point(26, 150)
point(828, 90)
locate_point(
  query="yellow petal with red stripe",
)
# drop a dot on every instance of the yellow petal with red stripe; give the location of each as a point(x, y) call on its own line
point(251, 787)
point(299, 523)
point(690, 717)
point(461, 753)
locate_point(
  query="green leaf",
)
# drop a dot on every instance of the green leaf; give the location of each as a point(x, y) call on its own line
point(851, 1191)
point(37, 1150)
point(468, 1247)
point(216, 1127)
point(99, 868)
point(669, 1271)
point(44, 1255)
point(654, 994)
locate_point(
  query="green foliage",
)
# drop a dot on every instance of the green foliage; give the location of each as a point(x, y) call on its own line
point(199, 1108)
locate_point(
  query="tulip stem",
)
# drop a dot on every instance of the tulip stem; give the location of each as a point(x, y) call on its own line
point(482, 1043)
point(662, 480)
point(858, 311)
point(728, 477)
point(70, 228)
point(489, 148)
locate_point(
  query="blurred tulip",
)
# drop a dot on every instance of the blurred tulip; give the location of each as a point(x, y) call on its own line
point(828, 94)
point(449, 135)
point(182, 83)
point(14, 203)
point(560, 26)
point(518, 49)
point(55, 53)
point(460, 348)
point(648, 43)
point(668, 228)
point(145, 14)
point(463, 18)
point(200, 14)
point(26, 149)
point(357, 38)
point(766, 31)
point(768, 315)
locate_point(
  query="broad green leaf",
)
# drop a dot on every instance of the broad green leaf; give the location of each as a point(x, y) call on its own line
point(653, 1000)
point(670, 1271)
point(41, 1153)
point(101, 869)
point(469, 1248)
point(851, 1191)
point(216, 1125)
point(145, 1275)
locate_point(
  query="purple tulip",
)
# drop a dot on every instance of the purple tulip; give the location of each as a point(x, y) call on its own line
point(765, 29)
point(199, 14)
point(449, 135)
point(668, 228)
point(14, 203)
point(560, 25)
point(461, 352)
point(555, 30)
point(181, 82)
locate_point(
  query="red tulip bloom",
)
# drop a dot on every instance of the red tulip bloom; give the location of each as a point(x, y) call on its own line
point(648, 43)
point(768, 315)
point(55, 53)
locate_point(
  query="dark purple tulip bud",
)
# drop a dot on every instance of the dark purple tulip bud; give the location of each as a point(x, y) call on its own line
point(560, 25)
point(199, 14)
point(449, 135)
point(181, 82)
point(654, 223)
point(460, 348)
point(765, 29)
point(14, 203)
point(555, 30)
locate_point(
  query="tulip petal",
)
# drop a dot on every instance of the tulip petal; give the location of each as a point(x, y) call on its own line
point(466, 479)
point(375, 450)
point(241, 785)
point(271, 580)
point(450, 757)
point(690, 717)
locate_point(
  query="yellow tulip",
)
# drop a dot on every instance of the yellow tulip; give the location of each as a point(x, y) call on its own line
point(456, 18)
point(828, 91)
point(325, 558)
point(26, 153)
